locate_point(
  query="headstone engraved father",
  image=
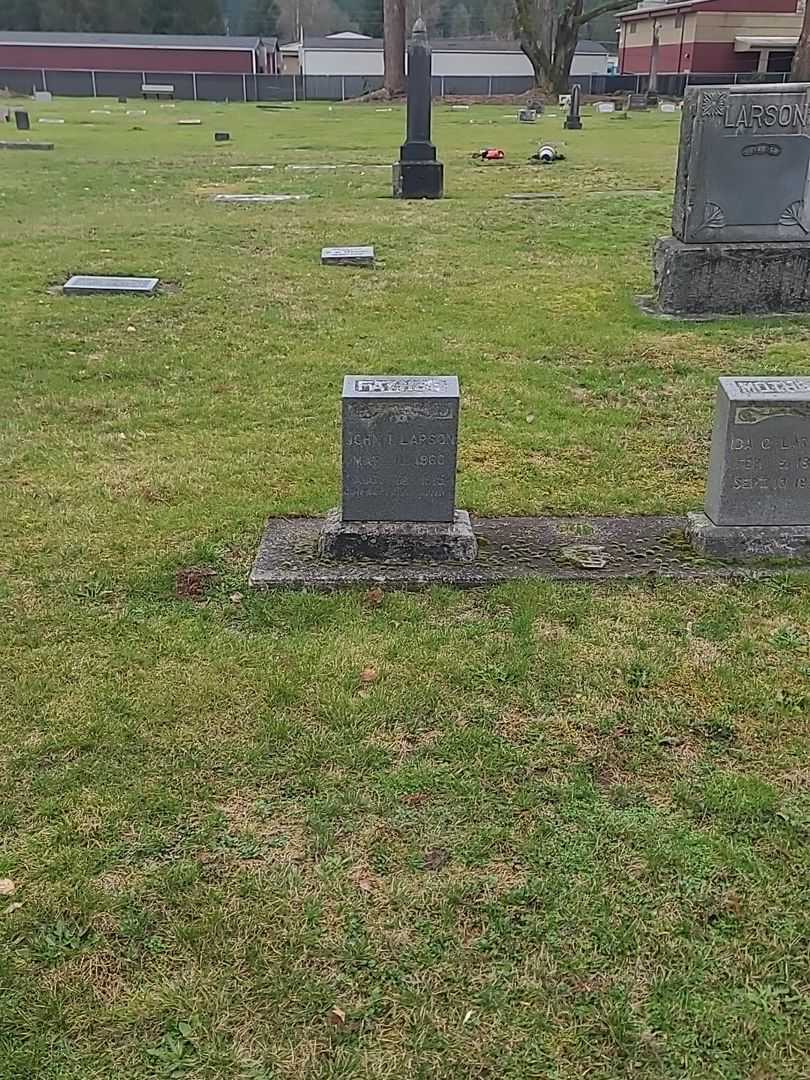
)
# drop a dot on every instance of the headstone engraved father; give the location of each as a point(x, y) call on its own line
point(758, 495)
point(741, 215)
point(400, 437)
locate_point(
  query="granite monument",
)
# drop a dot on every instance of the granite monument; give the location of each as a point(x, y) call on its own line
point(400, 437)
point(740, 239)
point(417, 174)
point(758, 494)
point(573, 121)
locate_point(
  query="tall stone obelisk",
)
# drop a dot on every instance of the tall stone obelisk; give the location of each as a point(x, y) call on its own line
point(417, 174)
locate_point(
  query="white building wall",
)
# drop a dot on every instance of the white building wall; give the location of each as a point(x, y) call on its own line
point(370, 62)
point(341, 61)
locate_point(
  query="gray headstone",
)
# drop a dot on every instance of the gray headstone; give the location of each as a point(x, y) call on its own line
point(222, 136)
point(347, 256)
point(399, 447)
point(22, 119)
point(90, 285)
point(760, 461)
point(43, 95)
point(744, 165)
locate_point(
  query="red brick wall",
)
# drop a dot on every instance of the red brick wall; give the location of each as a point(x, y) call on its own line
point(80, 58)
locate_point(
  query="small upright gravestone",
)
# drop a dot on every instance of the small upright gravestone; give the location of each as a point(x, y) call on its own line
point(741, 215)
point(573, 121)
point(22, 119)
point(400, 438)
point(417, 174)
point(222, 136)
point(758, 495)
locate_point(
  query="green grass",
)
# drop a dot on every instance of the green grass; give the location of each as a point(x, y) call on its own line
point(562, 831)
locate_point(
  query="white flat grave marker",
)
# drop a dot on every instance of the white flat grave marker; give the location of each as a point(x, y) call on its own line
point(605, 106)
point(92, 285)
point(347, 256)
point(136, 112)
point(257, 198)
point(188, 123)
point(50, 120)
point(249, 168)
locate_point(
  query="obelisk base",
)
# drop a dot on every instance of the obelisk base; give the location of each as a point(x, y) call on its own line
point(418, 180)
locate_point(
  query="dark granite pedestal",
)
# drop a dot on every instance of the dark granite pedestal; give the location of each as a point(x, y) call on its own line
point(730, 279)
point(418, 180)
point(742, 543)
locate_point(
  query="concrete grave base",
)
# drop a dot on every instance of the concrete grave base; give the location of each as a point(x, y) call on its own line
point(418, 179)
point(748, 542)
point(26, 146)
point(574, 549)
point(452, 541)
point(730, 279)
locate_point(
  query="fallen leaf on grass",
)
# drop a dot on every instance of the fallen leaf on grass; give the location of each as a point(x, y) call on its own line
point(7, 887)
point(436, 858)
point(369, 675)
point(12, 908)
point(236, 598)
point(336, 1016)
point(374, 597)
point(364, 879)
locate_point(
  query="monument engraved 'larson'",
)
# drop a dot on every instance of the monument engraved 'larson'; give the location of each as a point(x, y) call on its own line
point(741, 215)
point(400, 437)
point(758, 495)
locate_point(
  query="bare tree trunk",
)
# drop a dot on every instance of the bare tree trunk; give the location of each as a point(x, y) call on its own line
point(394, 46)
point(800, 71)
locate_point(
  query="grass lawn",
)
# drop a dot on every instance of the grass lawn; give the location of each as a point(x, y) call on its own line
point(543, 831)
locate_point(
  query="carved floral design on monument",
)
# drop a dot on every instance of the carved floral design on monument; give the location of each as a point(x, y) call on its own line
point(714, 105)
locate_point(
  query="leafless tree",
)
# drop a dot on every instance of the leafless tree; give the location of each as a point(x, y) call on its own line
point(548, 31)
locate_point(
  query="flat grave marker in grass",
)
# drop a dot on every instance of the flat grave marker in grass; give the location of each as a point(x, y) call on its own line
point(19, 145)
point(758, 495)
point(348, 256)
point(93, 285)
point(237, 199)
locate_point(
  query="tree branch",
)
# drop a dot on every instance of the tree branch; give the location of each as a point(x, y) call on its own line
point(605, 9)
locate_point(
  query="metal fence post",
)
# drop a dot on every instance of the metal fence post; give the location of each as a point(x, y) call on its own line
point(93, 81)
point(489, 88)
point(244, 88)
point(194, 83)
point(44, 80)
point(441, 88)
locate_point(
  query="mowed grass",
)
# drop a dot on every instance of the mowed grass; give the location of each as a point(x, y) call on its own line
point(544, 831)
